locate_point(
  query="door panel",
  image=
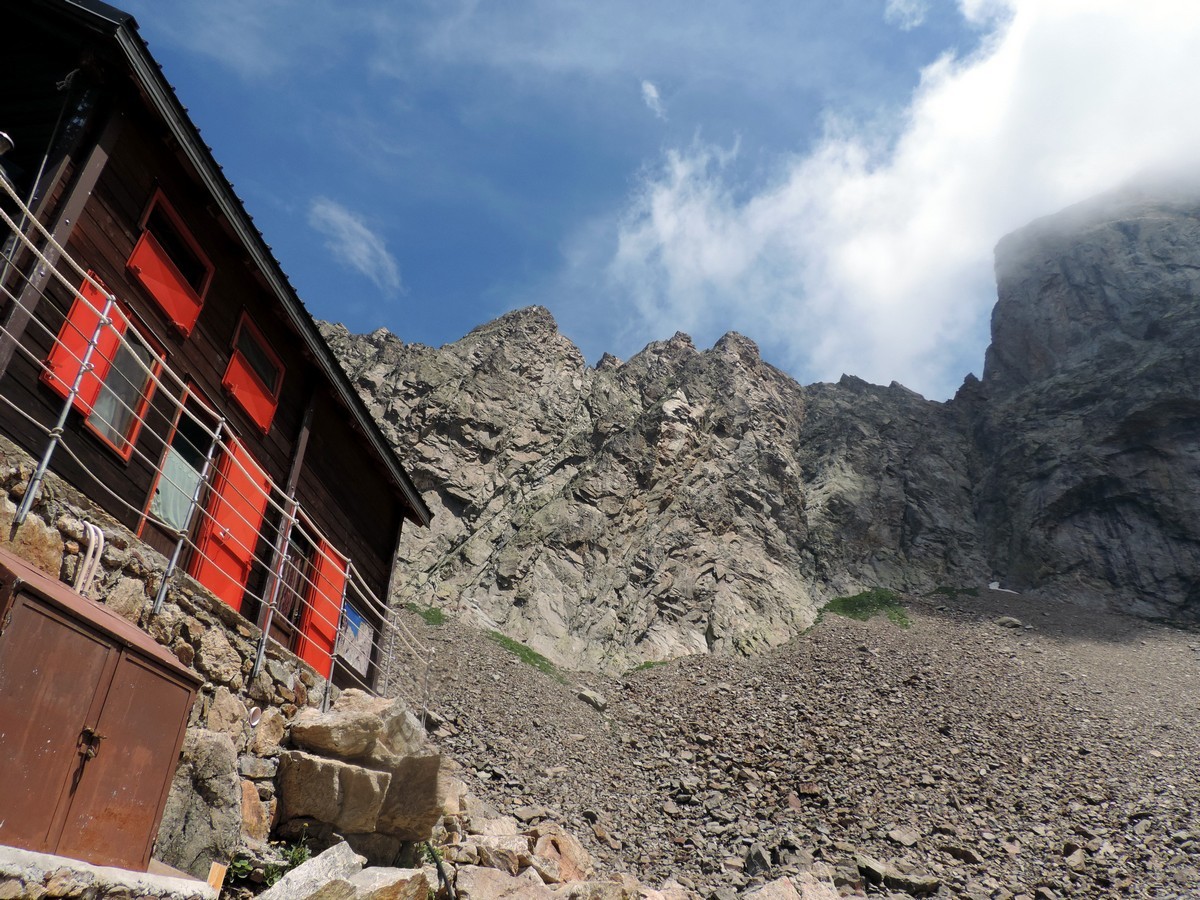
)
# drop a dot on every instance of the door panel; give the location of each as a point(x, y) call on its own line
point(140, 731)
point(228, 534)
point(51, 672)
point(323, 609)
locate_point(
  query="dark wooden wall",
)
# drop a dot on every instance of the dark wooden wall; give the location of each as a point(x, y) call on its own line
point(343, 488)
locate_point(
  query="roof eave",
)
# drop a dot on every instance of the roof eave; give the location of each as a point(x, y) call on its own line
point(184, 131)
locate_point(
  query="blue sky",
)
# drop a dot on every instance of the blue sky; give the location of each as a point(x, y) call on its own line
point(827, 178)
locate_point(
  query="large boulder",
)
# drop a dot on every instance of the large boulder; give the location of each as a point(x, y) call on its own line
point(414, 798)
point(359, 727)
point(347, 731)
point(338, 863)
point(557, 856)
point(347, 796)
point(386, 883)
point(479, 883)
point(202, 821)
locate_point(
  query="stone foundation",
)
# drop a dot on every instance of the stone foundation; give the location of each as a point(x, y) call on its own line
point(223, 796)
point(29, 876)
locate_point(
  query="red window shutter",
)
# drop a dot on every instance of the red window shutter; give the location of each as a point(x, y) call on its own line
point(159, 275)
point(323, 609)
point(66, 356)
point(245, 386)
point(228, 533)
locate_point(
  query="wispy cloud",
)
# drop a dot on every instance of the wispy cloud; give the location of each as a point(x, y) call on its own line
point(870, 253)
point(354, 244)
point(653, 101)
point(906, 14)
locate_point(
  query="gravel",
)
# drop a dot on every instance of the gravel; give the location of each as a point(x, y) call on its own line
point(961, 756)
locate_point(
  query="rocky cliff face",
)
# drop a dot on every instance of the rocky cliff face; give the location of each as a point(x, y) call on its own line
point(686, 501)
point(1088, 416)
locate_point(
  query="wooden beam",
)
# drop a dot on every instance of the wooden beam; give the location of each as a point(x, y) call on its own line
point(278, 551)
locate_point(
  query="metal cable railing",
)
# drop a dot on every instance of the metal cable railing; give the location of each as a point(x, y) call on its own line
point(277, 519)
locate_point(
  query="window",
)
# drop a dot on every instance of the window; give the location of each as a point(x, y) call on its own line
point(254, 375)
point(181, 467)
point(113, 395)
point(308, 609)
point(355, 640)
point(170, 264)
point(297, 575)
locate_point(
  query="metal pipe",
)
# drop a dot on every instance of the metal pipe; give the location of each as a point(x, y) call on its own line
point(161, 596)
point(85, 366)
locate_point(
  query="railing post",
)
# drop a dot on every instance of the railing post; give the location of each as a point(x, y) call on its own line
point(85, 366)
point(161, 596)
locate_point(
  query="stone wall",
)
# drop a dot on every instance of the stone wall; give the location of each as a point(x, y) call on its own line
point(224, 793)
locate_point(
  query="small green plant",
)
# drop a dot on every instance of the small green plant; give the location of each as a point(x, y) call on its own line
point(291, 854)
point(240, 868)
point(296, 854)
point(527, 655)
point(648, 664)
point(431, 614)
point(953, 593)
point(869, 603)
point(431, 854)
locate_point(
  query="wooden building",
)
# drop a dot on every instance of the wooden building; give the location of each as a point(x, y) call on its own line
point(204, 410)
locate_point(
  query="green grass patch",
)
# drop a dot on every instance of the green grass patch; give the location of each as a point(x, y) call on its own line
point(648, 664)
point(870, 603)
point(431, 614)
point(953, 593)
point(527, 655)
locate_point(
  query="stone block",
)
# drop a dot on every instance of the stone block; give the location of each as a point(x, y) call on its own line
point(268, 734)
point(127, 599)
point(413, 803)
point(227, 714)
point(256, 767)
point(557, 856)
point(384, 883)
point(346, 796)
point(202, 821)
point(339, 862)
point(478, 883)
point(35, 541)
point(217, 658)
point(256, 818)
point(342, 733)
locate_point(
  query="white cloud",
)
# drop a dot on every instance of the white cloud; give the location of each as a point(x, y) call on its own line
point(653, 101)
point(871, 253)
point(354, 244)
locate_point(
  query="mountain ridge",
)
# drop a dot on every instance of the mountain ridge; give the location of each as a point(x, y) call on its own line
point(689, 500)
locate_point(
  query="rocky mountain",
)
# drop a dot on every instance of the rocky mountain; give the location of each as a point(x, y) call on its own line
point(690, 500)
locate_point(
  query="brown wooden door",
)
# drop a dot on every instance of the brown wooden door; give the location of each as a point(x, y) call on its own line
point(51, 673)
point(139, 731)
point(92, 716)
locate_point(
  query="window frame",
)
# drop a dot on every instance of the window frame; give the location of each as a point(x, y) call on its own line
point(197, 295)
point(239, 364)
point(144, 398)
point(190, 394)
point(89, 302)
